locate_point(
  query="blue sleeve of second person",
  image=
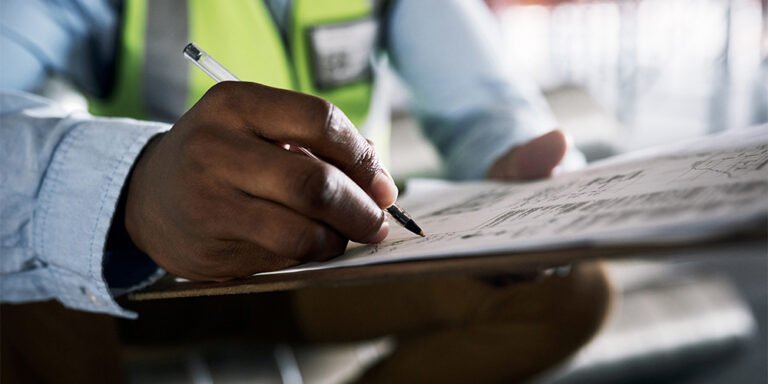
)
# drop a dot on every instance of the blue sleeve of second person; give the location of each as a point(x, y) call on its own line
point(472, 107)
point(74, 39)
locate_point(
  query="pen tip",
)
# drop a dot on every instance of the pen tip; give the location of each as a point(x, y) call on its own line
point(422, 234)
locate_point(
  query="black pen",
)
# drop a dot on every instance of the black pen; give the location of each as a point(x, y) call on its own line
point(219, 73)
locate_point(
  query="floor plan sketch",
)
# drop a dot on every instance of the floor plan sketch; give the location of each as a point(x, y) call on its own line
point(730, 163)
point(684, 192)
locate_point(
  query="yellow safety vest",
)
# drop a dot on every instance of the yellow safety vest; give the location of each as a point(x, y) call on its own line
point(327, 49)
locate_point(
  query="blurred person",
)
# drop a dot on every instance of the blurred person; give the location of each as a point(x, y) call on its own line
point(97, 206)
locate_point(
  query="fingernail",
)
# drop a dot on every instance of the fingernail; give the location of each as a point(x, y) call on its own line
point(382, 233)
point(383, 189)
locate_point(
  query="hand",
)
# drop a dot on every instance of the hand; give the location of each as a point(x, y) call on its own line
point(215, 198)
point(533, 160)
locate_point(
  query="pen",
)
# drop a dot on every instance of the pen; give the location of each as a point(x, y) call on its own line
point(219, 73)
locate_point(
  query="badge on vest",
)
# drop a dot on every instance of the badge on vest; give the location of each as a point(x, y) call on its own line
point(342, 53)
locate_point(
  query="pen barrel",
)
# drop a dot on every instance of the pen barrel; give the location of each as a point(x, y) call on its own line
point(208, 64)
point(399, 214)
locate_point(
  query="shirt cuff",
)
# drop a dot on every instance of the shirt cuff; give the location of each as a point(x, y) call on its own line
point(126, 267)
point(77, 199)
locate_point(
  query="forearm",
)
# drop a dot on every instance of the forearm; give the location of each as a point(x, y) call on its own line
point(470, 144)
point(73, 39)
point(62, 178)
point(473, 107)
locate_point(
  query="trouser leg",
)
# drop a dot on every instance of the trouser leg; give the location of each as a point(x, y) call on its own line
point(48, 343)
point(457, 329)
point(447, 329)
point(258, 318)
point(461, 329)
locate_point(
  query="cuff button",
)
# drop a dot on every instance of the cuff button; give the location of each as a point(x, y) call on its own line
point(85, 291)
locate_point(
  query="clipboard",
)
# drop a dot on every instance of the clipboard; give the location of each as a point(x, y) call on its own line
point(689, 197)
point(524, 263)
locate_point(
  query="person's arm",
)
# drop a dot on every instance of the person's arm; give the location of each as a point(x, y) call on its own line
point(76, 40)
point(61, 178)
point(62, 173)
point(471, 106)
point(214, 198)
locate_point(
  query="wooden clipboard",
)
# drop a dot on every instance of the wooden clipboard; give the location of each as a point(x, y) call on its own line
point(476, 265)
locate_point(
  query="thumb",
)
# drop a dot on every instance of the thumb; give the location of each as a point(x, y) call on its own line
point(533, 160)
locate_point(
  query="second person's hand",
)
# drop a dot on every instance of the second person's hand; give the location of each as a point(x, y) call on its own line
point(535, 159)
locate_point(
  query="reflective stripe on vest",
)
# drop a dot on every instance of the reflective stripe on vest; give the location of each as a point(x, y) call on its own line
point(165, 81)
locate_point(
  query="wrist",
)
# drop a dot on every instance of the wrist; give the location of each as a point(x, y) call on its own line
point(131, 196)
point(125, 265)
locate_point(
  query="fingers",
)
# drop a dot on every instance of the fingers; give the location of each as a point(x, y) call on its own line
point(215, 198)
point(284, 232)
point(224, 200)
point(307, 121)
point(266, 236)
point(238, 259)
point(307, 186)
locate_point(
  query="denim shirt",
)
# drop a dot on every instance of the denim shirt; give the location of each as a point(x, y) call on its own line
point(61, 174)
point(61, 178)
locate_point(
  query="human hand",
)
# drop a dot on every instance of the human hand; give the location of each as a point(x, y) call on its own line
point(533, 160)
point(214, 198)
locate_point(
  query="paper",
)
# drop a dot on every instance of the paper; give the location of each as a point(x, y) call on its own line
point(682, 193)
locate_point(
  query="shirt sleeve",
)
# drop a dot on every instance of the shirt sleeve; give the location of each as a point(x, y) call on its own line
point(76, 39)
point(472, 107)
point(61, 177)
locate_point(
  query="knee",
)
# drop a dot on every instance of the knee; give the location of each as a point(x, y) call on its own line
point(571, 310)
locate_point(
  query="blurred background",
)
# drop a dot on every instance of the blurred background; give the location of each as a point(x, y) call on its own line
point(625, 75)
point(628, 74)
point(619, 76)
point(659, 67)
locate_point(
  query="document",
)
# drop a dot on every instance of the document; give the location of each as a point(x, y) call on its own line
point(686, 192)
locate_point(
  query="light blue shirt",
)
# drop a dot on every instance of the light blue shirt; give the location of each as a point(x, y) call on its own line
point(62, 174)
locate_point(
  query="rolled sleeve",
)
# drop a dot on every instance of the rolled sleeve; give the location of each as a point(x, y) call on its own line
point(82, 165)
point(77, 201)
